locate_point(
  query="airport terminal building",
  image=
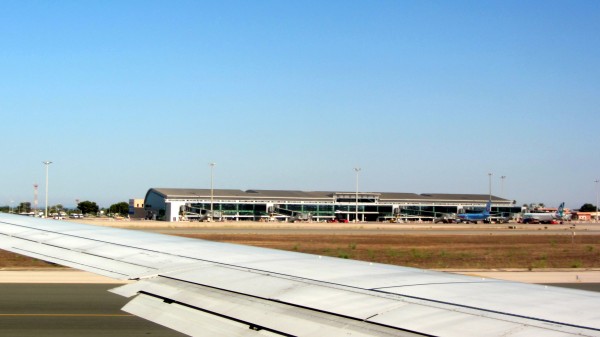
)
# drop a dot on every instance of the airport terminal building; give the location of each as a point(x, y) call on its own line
point(178, 204)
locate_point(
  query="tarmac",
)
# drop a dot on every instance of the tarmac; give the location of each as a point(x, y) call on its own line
point(78, 303)
point(70, 310)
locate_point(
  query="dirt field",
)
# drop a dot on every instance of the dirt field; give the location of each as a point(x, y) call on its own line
point(437, 251)
point(424, 251)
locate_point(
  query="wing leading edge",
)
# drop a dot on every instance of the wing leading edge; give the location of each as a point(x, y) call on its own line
point(204, 288)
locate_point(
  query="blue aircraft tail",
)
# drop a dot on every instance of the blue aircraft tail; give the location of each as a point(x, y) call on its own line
point(488, 207)
point(561, 210)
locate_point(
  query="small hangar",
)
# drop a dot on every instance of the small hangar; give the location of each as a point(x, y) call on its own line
point(180, 204)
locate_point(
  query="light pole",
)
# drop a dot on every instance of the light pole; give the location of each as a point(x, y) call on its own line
point(490, 183)
point(357, 169)
point(502, 186)
point(47, 163)
point(212, 166)
point(596, 181)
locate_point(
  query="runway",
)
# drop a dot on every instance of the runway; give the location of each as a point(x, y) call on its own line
point(85, 310)
point(70, 310)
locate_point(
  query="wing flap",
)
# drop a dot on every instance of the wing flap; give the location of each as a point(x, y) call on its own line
point(399, 310)
point(557, 304)
point(277, 303)
point(187, 320)
point(244, 315)
point(331, 298)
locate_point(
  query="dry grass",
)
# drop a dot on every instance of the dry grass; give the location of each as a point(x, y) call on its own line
point(427, 251)
point(437, 251)
point(10, 260)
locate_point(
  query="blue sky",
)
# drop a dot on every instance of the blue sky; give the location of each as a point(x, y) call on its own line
point(424, 96)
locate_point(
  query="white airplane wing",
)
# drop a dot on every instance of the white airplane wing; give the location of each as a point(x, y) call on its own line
point(203, 288)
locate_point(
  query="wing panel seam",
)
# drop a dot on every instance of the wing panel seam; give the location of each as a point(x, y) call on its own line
point(498, 312)
point(70, 261)
point(295, 306)
point(250, 325)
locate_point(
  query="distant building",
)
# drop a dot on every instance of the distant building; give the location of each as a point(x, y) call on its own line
point(586, 216)
point(176, 204)
point(136, 209)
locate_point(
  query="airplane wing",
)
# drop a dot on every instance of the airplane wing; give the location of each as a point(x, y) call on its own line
point(203, 288)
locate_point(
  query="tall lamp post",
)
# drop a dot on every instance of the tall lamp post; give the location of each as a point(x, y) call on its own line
point(596, 181)
point(47, 163)
point(212, 166)
point(502, 186)
point(357, 170)
point(490, 183)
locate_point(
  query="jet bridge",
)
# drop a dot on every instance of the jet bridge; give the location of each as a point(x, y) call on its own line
point(289, 214)
point(193, 213)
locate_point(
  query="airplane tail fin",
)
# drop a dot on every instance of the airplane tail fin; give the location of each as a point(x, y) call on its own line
point(561, 209)
point(488, 207)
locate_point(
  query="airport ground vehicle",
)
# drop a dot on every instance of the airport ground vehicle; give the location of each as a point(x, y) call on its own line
point(446, 218)
point(531, 220)
point(496, 219)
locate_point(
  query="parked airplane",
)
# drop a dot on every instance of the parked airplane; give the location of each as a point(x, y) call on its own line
point(475, 217)
point(546, 217)
point(204, 288)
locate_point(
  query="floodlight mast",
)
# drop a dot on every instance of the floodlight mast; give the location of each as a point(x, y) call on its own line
point(596, 181)
point(47, 163)
point(212, 166)
point(357, 169)
point(490, 185)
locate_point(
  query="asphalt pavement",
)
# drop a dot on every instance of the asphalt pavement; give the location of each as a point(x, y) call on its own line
point(70, 310)
point(86, 310)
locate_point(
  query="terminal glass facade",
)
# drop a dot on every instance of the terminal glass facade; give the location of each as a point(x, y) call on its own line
point(327, 206)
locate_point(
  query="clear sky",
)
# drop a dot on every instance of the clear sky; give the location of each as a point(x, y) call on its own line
point(424, 96)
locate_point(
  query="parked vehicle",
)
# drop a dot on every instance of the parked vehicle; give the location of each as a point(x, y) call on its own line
point(446, 218)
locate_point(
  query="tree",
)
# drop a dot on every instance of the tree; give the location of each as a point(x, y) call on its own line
point(55, 208)
point(25, 207)
point(121, 208)
point(587, 208)
point(87, 207)
point(533, 206)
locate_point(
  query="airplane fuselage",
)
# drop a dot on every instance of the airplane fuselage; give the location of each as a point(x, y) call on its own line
point(547, 217)
point(473, 217)
point(540, 217)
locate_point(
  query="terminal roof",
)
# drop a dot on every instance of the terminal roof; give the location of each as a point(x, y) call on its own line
point(189, 193)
